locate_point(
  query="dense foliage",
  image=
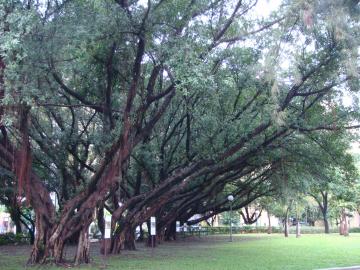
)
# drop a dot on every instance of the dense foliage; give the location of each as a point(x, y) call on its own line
point(163, 108)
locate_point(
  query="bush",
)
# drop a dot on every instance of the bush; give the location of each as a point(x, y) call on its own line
point(354, 230)
point(11, 238)
point(261, 229)
point(312, 230)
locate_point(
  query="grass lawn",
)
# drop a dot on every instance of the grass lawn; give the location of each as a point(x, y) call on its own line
point(247, 252)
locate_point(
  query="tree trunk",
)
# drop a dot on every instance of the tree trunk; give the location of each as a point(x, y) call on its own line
point(326, 225)
point(298, 228)
point(170, 232)
point(50, 238)
point(129, 242)
point(341, 227)
point(42, 235)
point(286, 223)
point(324, 211)
point(342, 222)
point(160, 236)
point(83, 249)
point(77, 213)
point(151, 241)
point(101, 225)
point(15, 212)
point(250, 218)
point(18, 226)
point(286, 228)
point(105, 246)
point(32, 237)
point(101, 221)
point(141, 236)
point(123, 238)
point(36, 193)
point(57, 250)
point(346, 225)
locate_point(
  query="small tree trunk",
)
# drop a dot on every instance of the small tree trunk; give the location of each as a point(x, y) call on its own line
point(141, 234)
point(32, 237)
point(341, 227)
point(123, 239)
point(286, 228)
point(160, 236)
point(286, 223)
point(15, 217)
point(170, 232)
point(18, 227)
point(298, 228)
point(129, 242)
point(325, 219)
point(101, 225)
point(346, 225)
point(342, 223)
point(151, 240)
point(101, 221)
point(326, 225)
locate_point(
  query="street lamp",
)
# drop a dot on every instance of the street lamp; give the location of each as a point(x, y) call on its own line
point(230, 199)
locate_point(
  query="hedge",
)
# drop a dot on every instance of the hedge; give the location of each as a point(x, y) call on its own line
point(11, 238)
point(259, 229)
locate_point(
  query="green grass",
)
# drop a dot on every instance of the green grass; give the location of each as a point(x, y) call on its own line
point(216, 253)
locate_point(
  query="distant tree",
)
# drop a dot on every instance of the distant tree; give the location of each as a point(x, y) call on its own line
point(227, 217)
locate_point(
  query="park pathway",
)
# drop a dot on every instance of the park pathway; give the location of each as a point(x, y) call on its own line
point(343, 268)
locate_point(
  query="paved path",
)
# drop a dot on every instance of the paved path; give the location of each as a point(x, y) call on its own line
point(343, 268)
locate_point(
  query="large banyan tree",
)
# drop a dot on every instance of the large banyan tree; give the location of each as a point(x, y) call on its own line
point(162, 107)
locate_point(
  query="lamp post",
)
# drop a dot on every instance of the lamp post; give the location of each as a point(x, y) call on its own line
point(230, 199)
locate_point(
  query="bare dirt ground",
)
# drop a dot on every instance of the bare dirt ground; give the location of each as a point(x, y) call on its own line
point(142, 249)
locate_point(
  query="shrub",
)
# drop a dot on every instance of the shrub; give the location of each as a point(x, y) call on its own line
point(11, 238)
point(261, 229)
point(354, 230)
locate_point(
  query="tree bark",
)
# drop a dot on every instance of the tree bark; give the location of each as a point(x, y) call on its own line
point(32, 237)
point(298, 229)
point(141, 236)
point(129, 242)
point(101, 226)
point(341, 227)
point(343, 223)
point(170, 232)
point(346, 225)
point(16, 219)
point(42, 235)
point(324, 209)
point(123, 238)
point(286, 223)
point(83, 249)
point(326, 225)
point(286, 229)
point(36, 193)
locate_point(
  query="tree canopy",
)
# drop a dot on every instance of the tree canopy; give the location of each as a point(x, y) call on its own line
point(165, 107)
